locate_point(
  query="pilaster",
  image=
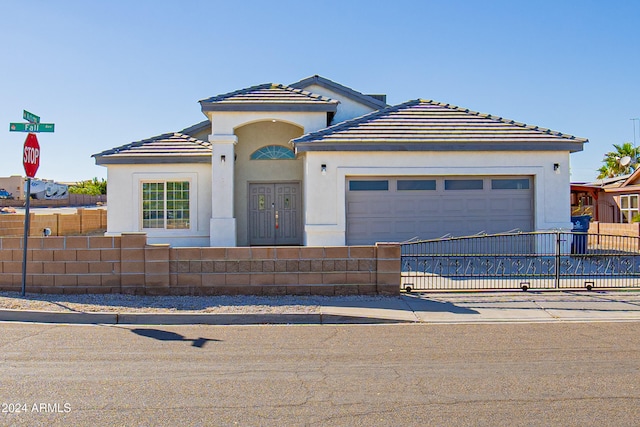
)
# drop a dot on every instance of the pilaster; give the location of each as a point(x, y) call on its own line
point(223, 222)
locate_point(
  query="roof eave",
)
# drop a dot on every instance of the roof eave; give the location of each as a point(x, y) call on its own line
point(151, 160)
point(282, 107)
point(302, 147)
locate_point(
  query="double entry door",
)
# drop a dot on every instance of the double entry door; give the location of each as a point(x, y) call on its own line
point(275, 213)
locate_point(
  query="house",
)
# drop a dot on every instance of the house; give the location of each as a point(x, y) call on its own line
point(608, 200)
point(319, 164)
point(14, 185)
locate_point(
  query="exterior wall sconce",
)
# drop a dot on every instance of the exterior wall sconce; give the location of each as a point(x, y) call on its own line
point(556, 168)
point(323, 169)
point(223, 158)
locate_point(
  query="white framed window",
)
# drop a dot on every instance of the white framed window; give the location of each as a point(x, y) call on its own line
point(628, 207)
point(165, 205)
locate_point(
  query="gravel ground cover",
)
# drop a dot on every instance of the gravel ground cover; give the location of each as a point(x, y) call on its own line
point(104, 303)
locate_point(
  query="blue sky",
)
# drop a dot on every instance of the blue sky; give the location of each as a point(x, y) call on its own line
point(111, 72)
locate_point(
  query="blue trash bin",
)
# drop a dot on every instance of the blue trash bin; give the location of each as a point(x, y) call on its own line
point(580, 230)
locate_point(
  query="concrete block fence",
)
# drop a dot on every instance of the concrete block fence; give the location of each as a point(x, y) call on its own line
point(127, 264)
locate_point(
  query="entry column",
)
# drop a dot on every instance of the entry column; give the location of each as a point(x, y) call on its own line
point(223, 222)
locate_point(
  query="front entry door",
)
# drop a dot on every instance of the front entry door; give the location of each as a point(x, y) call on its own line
point(275, 214)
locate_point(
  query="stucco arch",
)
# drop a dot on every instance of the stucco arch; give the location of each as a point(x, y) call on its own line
point(268, 120)
point(251, 137)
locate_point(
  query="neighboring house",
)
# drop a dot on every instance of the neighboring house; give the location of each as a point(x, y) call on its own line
point(13, 184)
point(319, 164)
point(611, 200)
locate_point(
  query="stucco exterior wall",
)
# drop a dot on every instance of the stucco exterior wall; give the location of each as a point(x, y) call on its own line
point(250, 138)
point(325, 222)
point(225, 122)
point(127, 180)
point(347, 109)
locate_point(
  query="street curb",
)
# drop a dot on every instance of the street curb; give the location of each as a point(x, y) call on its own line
point(8, 315)
point(217, 319)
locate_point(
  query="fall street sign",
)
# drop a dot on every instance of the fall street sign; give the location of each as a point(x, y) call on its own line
point(31, 127)
point(34, 125)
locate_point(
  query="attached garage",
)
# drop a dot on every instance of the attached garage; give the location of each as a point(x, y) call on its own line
point(396, 209)
point(423, 170)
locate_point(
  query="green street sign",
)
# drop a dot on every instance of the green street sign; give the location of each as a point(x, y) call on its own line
point(30, 117)
point(31, 127)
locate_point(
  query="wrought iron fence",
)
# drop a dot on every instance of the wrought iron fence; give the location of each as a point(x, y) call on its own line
point(541, 260)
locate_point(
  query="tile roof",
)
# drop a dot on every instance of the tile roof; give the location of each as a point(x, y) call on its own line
point(173, 147)
point(373, 101)
point(429, 125)
point(269, 96)
point(198, 127)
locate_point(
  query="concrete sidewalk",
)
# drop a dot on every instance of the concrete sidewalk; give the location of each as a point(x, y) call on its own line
point(431, 308)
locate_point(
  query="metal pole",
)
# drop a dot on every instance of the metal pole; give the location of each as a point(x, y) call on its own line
point(26, 238)
point(635, 150)
point(558, 254)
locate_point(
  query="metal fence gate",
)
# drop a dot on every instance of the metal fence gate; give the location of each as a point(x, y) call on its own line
point(544, 260)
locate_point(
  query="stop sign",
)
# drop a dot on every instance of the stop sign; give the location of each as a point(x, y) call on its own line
point(31, 152)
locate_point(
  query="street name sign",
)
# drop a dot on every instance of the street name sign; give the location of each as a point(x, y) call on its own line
point(31, 127)
point(30, 117)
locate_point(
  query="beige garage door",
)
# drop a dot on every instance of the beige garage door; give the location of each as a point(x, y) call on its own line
point(396, 209)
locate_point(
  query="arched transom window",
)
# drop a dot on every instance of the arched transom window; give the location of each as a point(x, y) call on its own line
point(273, 152)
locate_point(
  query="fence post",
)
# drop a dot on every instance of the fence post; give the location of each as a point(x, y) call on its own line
point(558, 249)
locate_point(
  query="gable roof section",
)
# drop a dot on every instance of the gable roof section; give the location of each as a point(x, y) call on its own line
point(425, 125)
point(632, 179)
point(198, 127)
point(374, 101)
point(173, 147)
point(269, 97)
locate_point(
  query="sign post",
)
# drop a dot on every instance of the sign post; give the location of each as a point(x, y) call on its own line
point(31, 162)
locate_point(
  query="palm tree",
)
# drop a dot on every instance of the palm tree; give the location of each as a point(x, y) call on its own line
point(612, 161)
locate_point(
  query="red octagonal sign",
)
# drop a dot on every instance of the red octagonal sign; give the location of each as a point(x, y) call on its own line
point(31, 152)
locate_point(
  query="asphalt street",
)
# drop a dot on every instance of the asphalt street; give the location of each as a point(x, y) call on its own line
point(569, 374)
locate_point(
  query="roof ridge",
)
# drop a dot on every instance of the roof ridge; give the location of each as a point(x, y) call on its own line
point(236, 92)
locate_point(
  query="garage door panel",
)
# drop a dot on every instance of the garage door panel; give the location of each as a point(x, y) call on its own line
point(428, 206)
point(375, 216)
point(521, 204)
point(405, 227)
point(476, 206)
point(452, 206)
point(357, 207)
point(500, 205)
point(379, 208)
point(404, 206)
